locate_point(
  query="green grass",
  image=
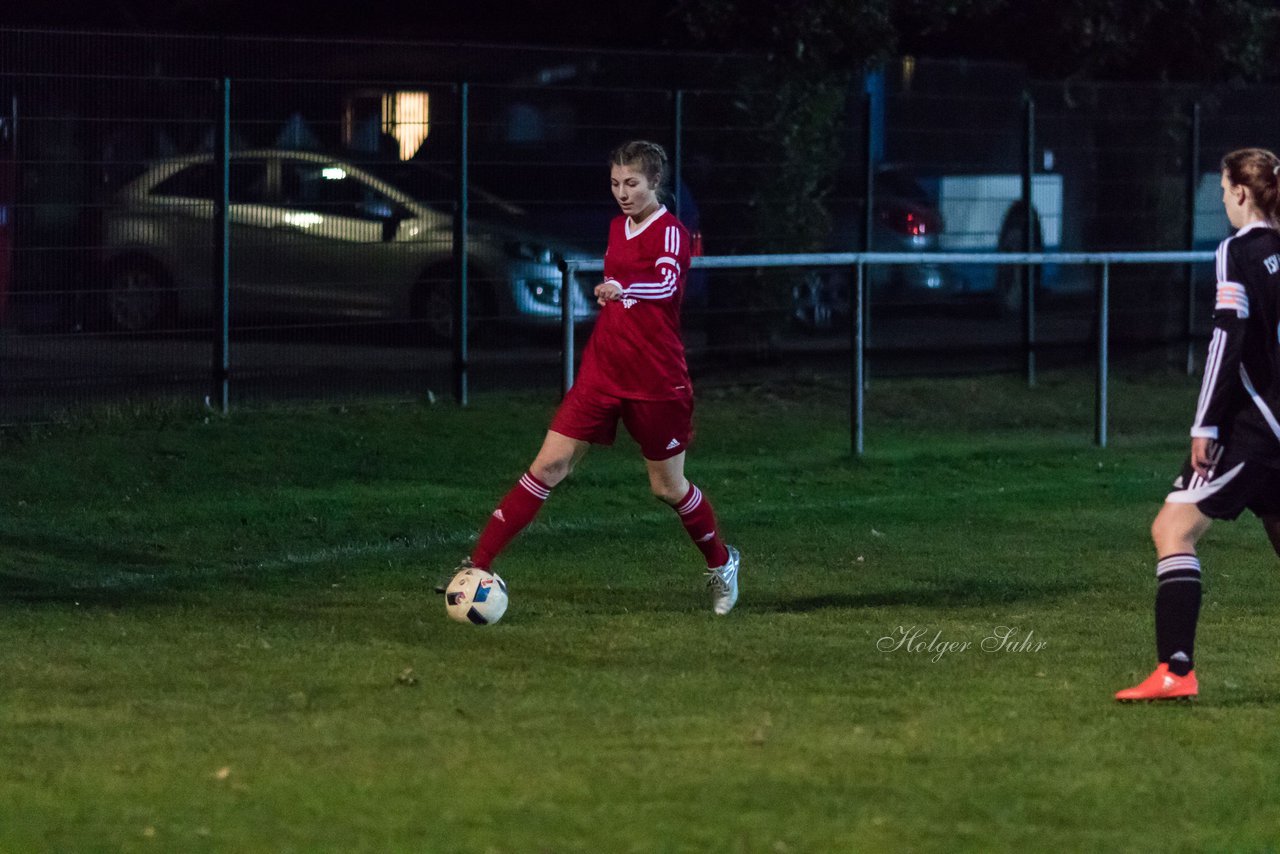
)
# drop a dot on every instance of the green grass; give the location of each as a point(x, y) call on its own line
point(207, 625)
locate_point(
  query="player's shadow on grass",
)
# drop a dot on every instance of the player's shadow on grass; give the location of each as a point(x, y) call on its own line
point(1257, 698)
point(42, 568)
point(953, 595)
point(759, 597)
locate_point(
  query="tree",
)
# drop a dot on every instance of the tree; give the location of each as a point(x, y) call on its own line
point(796, 95)
point(1154, 40)
point(811, 51)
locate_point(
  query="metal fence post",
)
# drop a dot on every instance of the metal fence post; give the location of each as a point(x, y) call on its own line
point(869, 167)
point(568, 280)
point(1193, 184)
point(871, 133)
point(857, 388)
point(678, 150)
point(1104, 287)
point(1028, 241)
point(222, 252)
point(461, 224)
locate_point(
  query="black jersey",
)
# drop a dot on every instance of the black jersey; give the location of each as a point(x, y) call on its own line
point(1240, 393)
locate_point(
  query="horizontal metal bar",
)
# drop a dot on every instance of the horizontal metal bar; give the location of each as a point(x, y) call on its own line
point(839, 259)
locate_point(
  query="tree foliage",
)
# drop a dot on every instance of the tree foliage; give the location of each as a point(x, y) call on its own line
point(1189, 40)
point(795, 96)
point(811, 51)
point(1155, 40)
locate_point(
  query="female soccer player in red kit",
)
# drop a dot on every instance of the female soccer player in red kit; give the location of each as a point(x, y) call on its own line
point(633, 369)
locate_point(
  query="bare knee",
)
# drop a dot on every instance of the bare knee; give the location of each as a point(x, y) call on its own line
point(1177, 528)
point(552, 470)
point(556, 458)
point(1167, 537)
point(1158, 531)
point(666, 493)
point(667, 481)
point(667, 490)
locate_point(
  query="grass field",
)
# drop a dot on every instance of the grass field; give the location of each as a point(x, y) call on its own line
point(218, 635)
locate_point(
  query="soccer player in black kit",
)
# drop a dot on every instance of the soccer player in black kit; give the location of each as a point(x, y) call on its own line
point(1234, 463)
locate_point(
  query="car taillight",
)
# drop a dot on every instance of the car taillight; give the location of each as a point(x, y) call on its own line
point(912, 222)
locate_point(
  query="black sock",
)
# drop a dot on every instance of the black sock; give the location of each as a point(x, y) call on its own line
point(1177, 610)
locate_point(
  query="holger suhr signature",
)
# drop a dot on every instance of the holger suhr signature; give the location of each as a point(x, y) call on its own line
point(921, 640)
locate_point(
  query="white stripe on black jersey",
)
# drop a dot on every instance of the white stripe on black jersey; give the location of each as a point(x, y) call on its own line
point(1240, 392)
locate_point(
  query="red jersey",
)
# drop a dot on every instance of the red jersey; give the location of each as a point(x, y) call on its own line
point(635, 350)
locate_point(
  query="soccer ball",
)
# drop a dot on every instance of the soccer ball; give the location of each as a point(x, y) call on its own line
point(476, 596)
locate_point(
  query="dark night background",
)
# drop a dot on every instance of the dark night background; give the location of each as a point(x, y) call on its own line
point(1223, 41)
point(644, 23)
point(782, 109)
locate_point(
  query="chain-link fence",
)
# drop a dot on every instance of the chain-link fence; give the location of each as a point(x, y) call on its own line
point(365, 182)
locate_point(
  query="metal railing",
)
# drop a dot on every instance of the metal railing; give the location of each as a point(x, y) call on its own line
point(82, 114)
point(859, 261)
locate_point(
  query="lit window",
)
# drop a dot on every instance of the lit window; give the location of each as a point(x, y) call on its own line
point(404, 116)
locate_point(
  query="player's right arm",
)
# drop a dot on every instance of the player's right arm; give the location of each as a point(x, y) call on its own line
point(1220, 387)
point(668, 268)
point(609, 290)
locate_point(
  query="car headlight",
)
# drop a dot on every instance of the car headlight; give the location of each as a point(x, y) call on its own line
point(530, 252)
point(544, 291)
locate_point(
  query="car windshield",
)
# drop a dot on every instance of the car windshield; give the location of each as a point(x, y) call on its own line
point(436, 187)
point(894, 183)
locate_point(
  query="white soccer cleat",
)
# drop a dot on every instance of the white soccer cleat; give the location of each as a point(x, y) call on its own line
point(442, 583)
point(723, 584)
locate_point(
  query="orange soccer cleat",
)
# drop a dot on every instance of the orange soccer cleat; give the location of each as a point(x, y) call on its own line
point(1162, 684)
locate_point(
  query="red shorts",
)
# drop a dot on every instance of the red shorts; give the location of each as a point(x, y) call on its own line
point(662, 428)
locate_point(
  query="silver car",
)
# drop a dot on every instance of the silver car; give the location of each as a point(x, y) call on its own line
point(313, 238)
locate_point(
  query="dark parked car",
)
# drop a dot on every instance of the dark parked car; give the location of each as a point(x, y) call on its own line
point(904, 219)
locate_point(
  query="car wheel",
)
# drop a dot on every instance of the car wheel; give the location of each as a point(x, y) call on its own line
point(1010, 287)
point(1009, 290)
point(432, 306)
point(138, 295)
point(817, 301)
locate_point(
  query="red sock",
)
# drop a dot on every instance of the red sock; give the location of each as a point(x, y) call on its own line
point(515, 511)
point(700, 521)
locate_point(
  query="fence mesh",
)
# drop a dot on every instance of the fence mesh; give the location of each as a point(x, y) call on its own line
point(347, 161)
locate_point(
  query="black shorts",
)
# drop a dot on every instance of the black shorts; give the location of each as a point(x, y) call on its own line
point(1235, 483)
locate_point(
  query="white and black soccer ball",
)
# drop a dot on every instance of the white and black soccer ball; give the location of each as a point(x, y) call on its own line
point(476, 596)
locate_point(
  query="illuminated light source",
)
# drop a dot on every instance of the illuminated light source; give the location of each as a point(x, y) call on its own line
point(333, 173)
point(303, 220)
point(405, 117)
